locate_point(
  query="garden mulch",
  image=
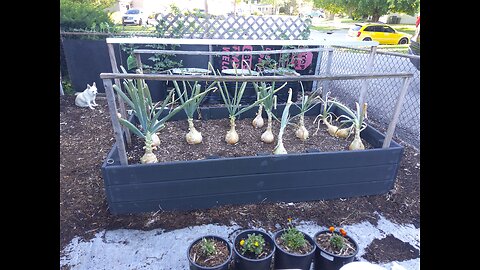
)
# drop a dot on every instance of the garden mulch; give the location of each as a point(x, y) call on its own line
point(86, 137)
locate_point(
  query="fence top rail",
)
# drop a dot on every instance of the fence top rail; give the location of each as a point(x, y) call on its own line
point(294, 42)
point(164, 77)
point(147, 51)
point(386, 53)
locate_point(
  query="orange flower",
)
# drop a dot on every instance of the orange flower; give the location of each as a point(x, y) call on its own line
point(242, 242)
point(343, 232)
point(332, 228)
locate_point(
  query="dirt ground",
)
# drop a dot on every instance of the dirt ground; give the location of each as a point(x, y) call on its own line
point(86, 136)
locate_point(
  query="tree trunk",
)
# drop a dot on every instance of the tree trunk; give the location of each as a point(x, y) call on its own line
point(375, 17)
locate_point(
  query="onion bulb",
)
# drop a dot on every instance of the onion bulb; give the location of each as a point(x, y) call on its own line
point(258, 120)
point(302, 133)
point(155, 140)
point(279, 149)
point(232, 135)
point(332, 129)
point(149, 157)
point(343, 132)
point(357, 142)
point(267, 136)
point(193, 136)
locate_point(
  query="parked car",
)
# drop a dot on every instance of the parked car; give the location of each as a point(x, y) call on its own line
point(316, 13)
point(382, 33)
point(414, 47)
point(134, 16)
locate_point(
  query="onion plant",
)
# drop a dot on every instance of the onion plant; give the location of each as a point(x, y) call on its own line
point(148, 114)
point(356, 120)
point(267, 93)
point(197, 96)
point(307, 103)
point(279, 148)
point(326, 118)
point(232, 103)
point(258, 120)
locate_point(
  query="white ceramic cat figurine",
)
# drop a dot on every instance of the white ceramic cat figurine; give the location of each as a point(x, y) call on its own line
point(87, 97)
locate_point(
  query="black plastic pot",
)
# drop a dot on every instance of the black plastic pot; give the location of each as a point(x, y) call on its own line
point(282, 94)
point(285, 260)
point(244, 263)
point(325, 260)
point(193, 71)
point(223, 266)
point(249, 95)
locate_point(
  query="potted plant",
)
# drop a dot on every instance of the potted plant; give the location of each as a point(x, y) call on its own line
point(294, 249)
point(334, 249)
point(254, 250)
point(209, 252)
point(270, 67)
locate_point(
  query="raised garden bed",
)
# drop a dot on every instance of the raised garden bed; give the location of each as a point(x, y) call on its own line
point(196, 184)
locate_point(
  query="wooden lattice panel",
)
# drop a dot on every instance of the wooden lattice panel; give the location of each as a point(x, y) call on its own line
point(238, 27)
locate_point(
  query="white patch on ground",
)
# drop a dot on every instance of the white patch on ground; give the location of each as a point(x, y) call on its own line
point(133, 249)
point(407, 233)
point(157, 249)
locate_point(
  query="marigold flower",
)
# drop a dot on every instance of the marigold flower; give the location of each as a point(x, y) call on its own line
point(242, 242)
point(332, 228)
point(343, 232)
point(256, 244)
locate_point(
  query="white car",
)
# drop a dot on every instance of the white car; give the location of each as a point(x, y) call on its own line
point(134, 16)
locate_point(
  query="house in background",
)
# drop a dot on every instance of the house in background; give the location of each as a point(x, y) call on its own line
point(398, 18)
point(216, 7)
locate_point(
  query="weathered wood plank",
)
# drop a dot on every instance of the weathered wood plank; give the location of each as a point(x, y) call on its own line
point(148, 51)
point(121, 104)
point(250, 183)
point(299, 194)
point(271, 42)
point(117, 130)
point(166, 77)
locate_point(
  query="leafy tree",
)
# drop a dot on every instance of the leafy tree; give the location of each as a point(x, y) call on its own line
point(333, 6)
point(410, 7)
point(82, 14)
point(363, 8)
point(374, 8)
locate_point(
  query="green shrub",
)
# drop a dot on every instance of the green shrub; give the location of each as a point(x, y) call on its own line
point(78, 14)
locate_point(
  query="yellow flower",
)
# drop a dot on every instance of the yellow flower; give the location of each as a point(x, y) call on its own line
point(242, 242)
point(256, 244)
point(289, 219)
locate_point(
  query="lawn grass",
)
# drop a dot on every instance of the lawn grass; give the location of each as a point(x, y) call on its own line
point(324, 28)
point(350, 21)
point(394, 48)
point(406, 28)
point(135, 28)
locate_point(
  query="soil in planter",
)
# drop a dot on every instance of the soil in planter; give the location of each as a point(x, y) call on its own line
point(267, 250)
point(86, 136)
point(218, 258)
point(323, 241)
point(301, 251)
point(173, 146)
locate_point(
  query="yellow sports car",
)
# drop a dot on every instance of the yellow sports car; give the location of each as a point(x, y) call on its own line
point(380, 32)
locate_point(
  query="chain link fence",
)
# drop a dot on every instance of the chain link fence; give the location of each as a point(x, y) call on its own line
point(381, 94)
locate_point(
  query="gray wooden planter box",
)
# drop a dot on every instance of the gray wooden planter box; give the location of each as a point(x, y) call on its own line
point(186, 185)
